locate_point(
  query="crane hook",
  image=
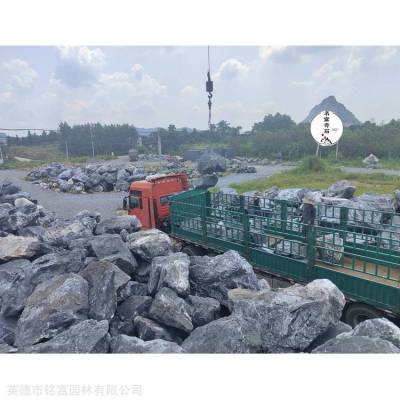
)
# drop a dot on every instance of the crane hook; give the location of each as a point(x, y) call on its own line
point(209, 90)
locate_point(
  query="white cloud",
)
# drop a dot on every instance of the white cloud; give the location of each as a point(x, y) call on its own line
point(17, 74)
point(386, 53)
point(78, 66)
point(231, 69)
point(188, 90)
point(266, 52)
point(302, 83)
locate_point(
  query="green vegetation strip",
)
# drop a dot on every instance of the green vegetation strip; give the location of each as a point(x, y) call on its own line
point(314, 173)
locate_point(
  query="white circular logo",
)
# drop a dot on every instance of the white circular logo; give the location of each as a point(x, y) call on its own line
point(326, 128)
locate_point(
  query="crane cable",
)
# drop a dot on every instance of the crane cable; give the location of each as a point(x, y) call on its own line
point(209, 90)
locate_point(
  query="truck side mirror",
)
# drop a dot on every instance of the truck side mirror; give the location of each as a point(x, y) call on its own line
point(125, 203)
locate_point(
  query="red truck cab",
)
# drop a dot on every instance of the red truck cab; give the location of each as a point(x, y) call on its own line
point(148, 199)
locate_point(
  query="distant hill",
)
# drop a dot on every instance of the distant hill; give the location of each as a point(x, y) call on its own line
point(331, 104)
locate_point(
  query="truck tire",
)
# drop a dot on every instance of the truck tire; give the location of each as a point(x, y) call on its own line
point(358, 312)
point(192, 250)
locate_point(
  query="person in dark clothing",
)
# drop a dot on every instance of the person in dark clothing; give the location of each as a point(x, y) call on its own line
point(309, 212)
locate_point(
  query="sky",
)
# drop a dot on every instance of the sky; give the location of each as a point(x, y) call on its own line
point(151, 86)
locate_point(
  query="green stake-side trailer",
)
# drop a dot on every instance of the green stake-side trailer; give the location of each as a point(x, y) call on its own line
point(357, 249)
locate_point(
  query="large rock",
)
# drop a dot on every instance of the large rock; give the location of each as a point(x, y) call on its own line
point(128, 344)
point(50, 265)
point(62, 234)
point(344, 189)
point(332, 331)
point(149, 244)
point(52, 308)
point(356, 344)
point(371, 161)
point(290, 319)
point(203, 310)
point(8, 326)
point(169, 309)
point(134, 306)
point(224, 335)
point(171, 271)
point(147, 329)
point(12, 247)
point(88, 336)
point(116, 224)
point(211, 162)
point(111, 247)
point(132, 288)
point(15, 286)
point(214, 276)
point(104, 280)
point(330, 248)
point(380, 328)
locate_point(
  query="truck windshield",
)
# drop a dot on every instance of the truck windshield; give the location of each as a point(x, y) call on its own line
point(135, 199)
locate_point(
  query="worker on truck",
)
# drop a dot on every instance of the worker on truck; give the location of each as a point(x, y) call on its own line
point(309, 211)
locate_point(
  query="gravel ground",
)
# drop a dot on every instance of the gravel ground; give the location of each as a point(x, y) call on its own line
point(67, 204)
point(262, 172)
point(106, 204)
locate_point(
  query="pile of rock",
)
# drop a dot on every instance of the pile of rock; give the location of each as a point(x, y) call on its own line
point(88, 285)
point(241, 167)
point(94, 178)
point(89, 179)
point(371, 161)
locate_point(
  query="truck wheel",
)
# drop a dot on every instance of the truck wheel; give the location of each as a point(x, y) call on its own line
point(191, 250)
point(359, 312)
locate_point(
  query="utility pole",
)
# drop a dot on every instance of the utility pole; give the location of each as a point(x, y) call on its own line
point(66, 149)
point(159, 143)
point(91, 139)
point(337, 150)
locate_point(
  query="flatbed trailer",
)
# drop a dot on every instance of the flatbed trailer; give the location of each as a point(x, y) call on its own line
point(357, 249)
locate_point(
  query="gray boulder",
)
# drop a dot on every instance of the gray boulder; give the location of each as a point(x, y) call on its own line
point(8, 326)
point(211, 162)
point(344, 189)
point(50, 265)
point(356, 344)
point(169, 309)
point(128, 344)
point(134, 306)
point(147, 329)
point(104, 280)
point(171, 271)
point(330, 248)
point(111, 247)
point(380, 328)
point(371, 161)
point(12, 247)
point(291, 248)
point(88, 336)
point(214, 276)
point(224, 335)
point(53, 307)
point(6, 348)
point(290, 319)
point(332, 331)
point(203, 310)
point(116, 224)
point(132, 288)
point(15, 286)
point(149, 244)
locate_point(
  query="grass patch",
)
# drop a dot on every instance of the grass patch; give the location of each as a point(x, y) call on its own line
point(319, 175)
